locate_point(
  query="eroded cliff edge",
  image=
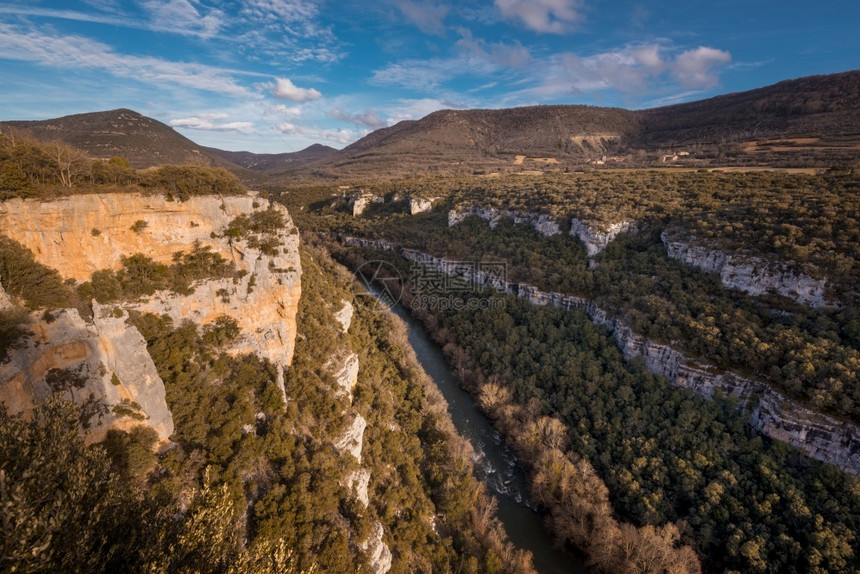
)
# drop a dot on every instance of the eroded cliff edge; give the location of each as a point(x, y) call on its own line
point(107, 357)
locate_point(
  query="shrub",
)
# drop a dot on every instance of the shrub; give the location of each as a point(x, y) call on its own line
point(38, 285)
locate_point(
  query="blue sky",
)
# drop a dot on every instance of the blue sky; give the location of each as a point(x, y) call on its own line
point(279, 75)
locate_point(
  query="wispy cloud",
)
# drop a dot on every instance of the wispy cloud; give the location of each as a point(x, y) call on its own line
point(187, 25)
point(339, 136)
point(369, 118)
point(426, 15)
point(546, 16)
point(472, 57)
point(210, 122)
point(182, 15)
point(285, 89)
point(78, 52)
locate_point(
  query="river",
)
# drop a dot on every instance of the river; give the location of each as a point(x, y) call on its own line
point(495, 464)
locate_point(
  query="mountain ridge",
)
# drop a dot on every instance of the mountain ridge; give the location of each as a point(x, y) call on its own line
point(810, 121)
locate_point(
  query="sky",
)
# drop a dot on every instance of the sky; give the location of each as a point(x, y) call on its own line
point(272, 76)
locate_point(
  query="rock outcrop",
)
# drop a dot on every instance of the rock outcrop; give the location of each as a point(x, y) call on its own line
point(344, 316)
point(752, 275)
point(352, 439)
point(377, 551)
point(820, 436)
point(544, 224)
point(347, 375)
point(102, 364)
point(419, 205)
point(596, 240)
point(360, 203)
point(85, 233)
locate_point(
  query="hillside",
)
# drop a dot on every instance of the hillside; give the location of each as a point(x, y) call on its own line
point(806, 122)
point(273, 162)
point(145, 142)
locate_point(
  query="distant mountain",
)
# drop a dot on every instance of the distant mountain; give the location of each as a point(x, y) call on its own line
point(809, 121)
point(274, 162)
point(143, 141)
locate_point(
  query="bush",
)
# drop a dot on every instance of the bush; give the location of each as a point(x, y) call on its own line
point(38, 285)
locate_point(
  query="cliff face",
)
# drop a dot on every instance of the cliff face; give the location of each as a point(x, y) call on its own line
point(819, 436)
point(595, 240)
point(102, 365)
point(751, 275)
point(544, 224)
point(82, 234)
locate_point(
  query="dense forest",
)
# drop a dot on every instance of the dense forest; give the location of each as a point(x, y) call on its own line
point(813, 355)
point(809, 222)
point(603, 438)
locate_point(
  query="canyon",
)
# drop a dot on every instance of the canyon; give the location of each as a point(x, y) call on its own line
point(819, 436)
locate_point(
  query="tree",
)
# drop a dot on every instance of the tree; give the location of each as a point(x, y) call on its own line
point(70, 163)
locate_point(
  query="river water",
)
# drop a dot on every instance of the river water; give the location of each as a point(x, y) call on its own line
point(495, 464)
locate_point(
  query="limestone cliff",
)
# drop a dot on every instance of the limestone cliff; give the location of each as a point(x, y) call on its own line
point(101, 364)
point(751, 275)
point(544, 224)
point(596, 240)
point(819, 436)
point(82, 234)
point(419, 205)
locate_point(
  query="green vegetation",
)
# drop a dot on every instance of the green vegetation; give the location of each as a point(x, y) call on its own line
point(604, 438)
point(260, 229)
point(38, 285)
point(811, 223)
point(12, 330)
point(251, 484)
point(812, 355)
point(141, 276)
point(139, 226)
point(30, 168)
point(72, 508)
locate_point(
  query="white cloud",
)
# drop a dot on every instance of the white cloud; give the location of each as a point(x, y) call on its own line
point(632, 69)
point(473, 57)
point(282, 110)
point(418, 108)
point(697, 68)
point(339, 136)
point(428, 16)
point(77, 52)
point(209, 121)
point(552, 16)
point(182, 15)
point(369, 118)
point(286, 90)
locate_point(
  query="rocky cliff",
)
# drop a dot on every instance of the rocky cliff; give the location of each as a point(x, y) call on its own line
point(82, 234)
point(101, 364)
point(544, 224)
point(351, 442)
point(752, 275)
point(595, 239)
point(819, 436)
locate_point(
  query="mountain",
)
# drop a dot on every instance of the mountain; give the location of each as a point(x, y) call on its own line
point(808, 121)
point(273, 162)
point(145, 142)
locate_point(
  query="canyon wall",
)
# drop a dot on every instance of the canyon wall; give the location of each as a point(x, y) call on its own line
point(752, 275)
point(820, 436)
point(544, 224)
point(85, 233)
